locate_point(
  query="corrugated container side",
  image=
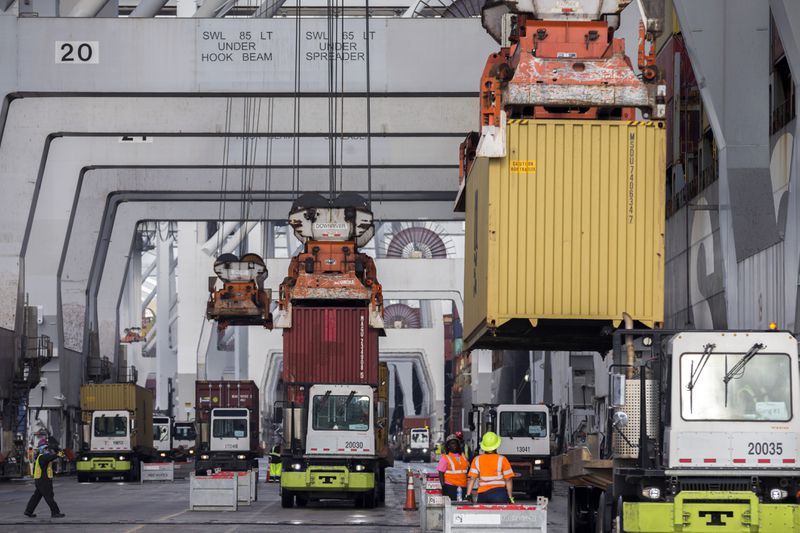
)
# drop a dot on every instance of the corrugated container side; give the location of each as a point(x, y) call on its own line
point(330, 345)
point(569, 226)
point(121, 397)
point(411, 422)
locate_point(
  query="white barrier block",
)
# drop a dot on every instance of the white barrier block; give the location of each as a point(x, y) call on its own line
point(157, 472)
point(490, 518)
point(218, 492)
point(244, 490)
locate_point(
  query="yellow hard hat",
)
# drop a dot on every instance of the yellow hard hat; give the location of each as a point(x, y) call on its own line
point(490, 441)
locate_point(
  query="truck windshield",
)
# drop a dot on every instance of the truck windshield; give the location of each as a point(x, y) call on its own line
point(419, 436)
point(160, 433)
point(523, 424)
point(345, 413)
point(111, 426)
point(185, 433)
point(230, 428)
point(758, 390)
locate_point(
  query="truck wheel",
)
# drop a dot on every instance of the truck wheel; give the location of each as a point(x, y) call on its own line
point(83, 478)
point(302, 501)
point(369, 499)
point(287, 499)
point(604, 514)
point(382, 485)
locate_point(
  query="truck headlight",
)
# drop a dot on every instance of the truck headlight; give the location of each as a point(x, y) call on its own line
point(424, 450)
point(360, 468)
point(204, 457)
point(538, 461)
point(191, 452)
point(296, 466)
point(121, 457)
point(163, 454)
point(408, 450)
point(241, 456)
point(651, 493)
point(777, 494)
point(85, 458)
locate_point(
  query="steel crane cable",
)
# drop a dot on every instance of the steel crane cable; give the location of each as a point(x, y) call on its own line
point(268, 173)
point(224, 172)
point(368, 37)
point(296, 107)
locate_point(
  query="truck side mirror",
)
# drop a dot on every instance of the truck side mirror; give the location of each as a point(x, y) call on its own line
point(617, 391)
point(277, 417)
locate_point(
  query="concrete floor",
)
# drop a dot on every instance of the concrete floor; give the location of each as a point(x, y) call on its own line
point(116, 507)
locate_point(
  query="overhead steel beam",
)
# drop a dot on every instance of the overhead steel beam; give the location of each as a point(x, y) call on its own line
point(148, 8)
point(87, 8)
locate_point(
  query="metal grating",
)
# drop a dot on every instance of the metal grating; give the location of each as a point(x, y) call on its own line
point(719, 485)
point(621, 448)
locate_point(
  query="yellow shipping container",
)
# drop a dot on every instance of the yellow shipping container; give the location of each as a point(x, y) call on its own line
point(121, 397)
point(564, 234)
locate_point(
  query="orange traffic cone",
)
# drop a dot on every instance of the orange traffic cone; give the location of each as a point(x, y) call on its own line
point(411, 500)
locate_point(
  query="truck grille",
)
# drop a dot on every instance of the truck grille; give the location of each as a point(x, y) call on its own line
point(715, 485)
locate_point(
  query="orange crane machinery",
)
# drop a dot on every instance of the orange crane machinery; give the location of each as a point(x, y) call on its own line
point(330, 267)
point(559, 59)
point(242, 300)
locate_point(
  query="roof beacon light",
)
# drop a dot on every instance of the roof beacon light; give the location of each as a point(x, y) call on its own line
point(773, 326)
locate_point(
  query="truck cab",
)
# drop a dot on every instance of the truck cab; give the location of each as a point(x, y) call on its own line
point(229, 442)
point(417, 444)
point(708, 432)
point(526, 435)
point(110, 452)
point(340, 457)
point(162, 436)
point(184, 437)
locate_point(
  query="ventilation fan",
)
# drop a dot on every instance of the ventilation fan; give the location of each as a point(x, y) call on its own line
point(401, 316)
point(419, 242)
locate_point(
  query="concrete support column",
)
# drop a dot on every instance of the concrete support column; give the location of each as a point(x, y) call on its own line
point(166, 360)
point(192, 325)
point(392, 391)
point(405, 374)
point(131, 313)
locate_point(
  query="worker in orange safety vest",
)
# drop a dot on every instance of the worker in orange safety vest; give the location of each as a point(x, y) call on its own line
point(492, 472)
point(453, 468)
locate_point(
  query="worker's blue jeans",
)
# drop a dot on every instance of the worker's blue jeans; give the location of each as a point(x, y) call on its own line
point(498, 495)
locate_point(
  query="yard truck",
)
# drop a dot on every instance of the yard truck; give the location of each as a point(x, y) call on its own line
point(162, 436)
point(415, 441)
point(117, 431)
point(227, 416)
point(701, 434)
point(336, 444)
point(526, 442)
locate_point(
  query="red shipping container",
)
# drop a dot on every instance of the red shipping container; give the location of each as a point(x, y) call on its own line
point(330, 345)
point(411, 422)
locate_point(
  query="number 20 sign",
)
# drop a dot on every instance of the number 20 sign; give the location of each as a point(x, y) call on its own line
point(77, 52)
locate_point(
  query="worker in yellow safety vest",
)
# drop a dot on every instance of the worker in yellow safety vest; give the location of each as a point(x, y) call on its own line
point(43, 481)
point(493, 473)
point(275, 466)
point(453, 468)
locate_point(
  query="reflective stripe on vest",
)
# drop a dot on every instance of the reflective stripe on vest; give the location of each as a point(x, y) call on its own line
point(493, 481)
point(456, 474)
point(37, 469)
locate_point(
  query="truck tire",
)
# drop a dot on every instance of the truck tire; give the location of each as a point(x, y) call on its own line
point(83, 478)
point(368, 499)
point(381, 485)
point(287, 499)
point(605, 512)
point(301, 501)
